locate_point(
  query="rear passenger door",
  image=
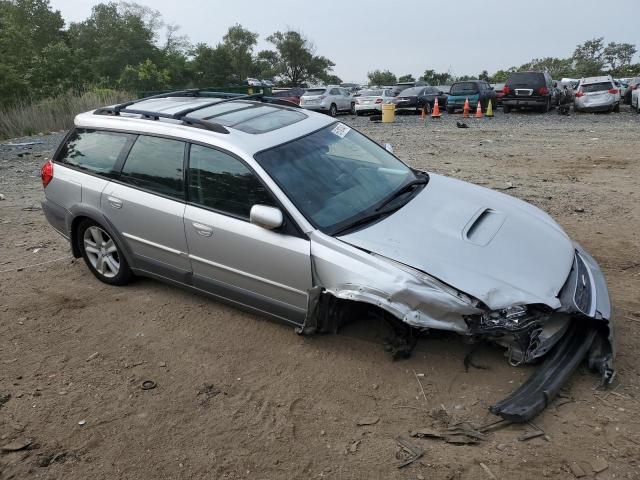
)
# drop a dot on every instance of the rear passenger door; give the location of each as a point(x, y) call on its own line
point(146, 205)
point(269, 270)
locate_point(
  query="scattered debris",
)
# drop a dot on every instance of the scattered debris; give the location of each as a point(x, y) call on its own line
point(421, 387)
point(31, 208)
point(82, 423)
point(459, 434)
point(367, 421)
point(148, 385)
point(207, 391)
point(578, 210)
point(353, 448)
point(92, 356)
point(16, 445)
point(2, 197)
point(4, 398)
point(506, 186)
point(440, 414)
point(461, 125)
point(409, 452)
point(537, 432)
point(577, 470)
point(599, 464)
point(488, 471)
point(46, 459)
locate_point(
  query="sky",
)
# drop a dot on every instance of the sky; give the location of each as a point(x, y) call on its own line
point(410, 36)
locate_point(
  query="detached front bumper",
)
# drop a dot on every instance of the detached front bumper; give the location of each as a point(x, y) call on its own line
point(590, 336)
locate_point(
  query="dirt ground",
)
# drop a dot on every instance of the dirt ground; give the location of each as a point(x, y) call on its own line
point(241, 397)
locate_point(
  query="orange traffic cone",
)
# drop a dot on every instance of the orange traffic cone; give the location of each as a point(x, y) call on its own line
point(479, 110)
point(465, 110)
point(436, 109)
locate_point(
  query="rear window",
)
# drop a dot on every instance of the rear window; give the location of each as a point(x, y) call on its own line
point(464, 87)
point(94, 150)
point(596, 87)
point(371, 93)
point(314, 91)
point(526, 79)
point(411, 91)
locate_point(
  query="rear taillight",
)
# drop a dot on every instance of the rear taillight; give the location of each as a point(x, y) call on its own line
point(543, 90)
point(378, 100)
point(632, 87)
point(579, 94)
point(506, 90)
point(613, 90)
point(46, 173)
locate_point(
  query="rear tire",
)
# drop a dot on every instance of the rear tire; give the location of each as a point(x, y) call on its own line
point(506, 108)
point(102, 254)
point(616, 108)
point(333, 110)
point(450, 110)
point(353, 108)
point(547, 106)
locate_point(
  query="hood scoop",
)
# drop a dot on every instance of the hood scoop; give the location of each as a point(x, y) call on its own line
point(483, 226)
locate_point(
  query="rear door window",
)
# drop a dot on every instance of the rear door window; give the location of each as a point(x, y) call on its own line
point(156, 164)
point(223, 183)
point(95, 151)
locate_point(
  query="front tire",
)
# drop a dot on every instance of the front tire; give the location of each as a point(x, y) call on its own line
point(102, 254)
point(353, 109)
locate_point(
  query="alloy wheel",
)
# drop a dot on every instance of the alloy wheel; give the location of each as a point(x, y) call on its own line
point(102, 251)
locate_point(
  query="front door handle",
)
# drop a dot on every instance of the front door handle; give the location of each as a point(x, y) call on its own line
point(115, 202)
point(203, 229)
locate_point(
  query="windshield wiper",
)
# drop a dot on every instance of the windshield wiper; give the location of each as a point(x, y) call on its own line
point(422, 180)
point(366, 219)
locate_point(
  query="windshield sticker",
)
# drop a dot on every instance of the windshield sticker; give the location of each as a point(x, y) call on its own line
point(341, 130)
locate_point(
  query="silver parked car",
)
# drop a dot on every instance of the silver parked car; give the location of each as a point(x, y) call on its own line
point(295, 216)
point(597, 94)
point(329, 99)
point(372, 100)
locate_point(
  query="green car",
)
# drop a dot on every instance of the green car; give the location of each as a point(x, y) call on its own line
point(473, 90)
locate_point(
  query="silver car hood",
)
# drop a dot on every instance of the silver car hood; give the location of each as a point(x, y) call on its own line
point(494, 247)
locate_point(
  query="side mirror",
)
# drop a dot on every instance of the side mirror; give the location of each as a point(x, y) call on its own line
point(388, 147)
point(266, 217)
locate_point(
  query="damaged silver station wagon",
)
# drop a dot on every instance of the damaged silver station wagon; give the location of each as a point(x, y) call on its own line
point(294, 215)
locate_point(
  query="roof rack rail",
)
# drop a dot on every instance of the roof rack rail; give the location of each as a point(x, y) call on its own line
point(223, 97)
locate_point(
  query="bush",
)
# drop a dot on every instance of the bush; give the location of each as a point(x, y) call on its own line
point(55, 113)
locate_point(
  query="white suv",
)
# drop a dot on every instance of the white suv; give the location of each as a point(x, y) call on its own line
point(597, 94)
point(331, 99)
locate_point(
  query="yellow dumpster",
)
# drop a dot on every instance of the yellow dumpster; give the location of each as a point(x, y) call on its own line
point(388, 112)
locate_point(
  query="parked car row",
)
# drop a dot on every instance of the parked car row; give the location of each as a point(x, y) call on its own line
point(529, 90)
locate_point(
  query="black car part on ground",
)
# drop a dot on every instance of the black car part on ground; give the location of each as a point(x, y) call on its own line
point(533, 396)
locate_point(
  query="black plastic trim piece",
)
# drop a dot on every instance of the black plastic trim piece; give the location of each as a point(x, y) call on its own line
point(533, 396)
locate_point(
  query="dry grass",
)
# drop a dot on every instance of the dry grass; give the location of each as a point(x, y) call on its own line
point(54, 113)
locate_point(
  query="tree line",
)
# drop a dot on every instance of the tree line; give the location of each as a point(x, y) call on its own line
point(591, 58)
point(130, 47)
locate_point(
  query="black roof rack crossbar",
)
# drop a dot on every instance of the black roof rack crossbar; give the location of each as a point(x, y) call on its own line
point(214, 127)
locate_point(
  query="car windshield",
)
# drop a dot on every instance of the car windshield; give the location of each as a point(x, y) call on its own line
point(463, 87)
point(335, 176)
point(596, 87)
point(314, 91)
point(371, 93)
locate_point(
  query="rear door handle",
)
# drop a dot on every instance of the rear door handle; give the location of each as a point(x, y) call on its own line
point(203, 229)
point(115, 202)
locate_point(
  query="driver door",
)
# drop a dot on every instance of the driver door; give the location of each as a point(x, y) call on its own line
point(266, 270)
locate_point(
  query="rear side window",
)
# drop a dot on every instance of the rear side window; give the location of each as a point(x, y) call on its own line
point(223, 183)
point(156, 164)
point(94, 150)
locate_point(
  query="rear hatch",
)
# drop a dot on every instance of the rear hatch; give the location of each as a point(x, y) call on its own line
point(526, 84)
point(408, 97)
point(369, 97)
point(314, 95)
point(596, 94)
